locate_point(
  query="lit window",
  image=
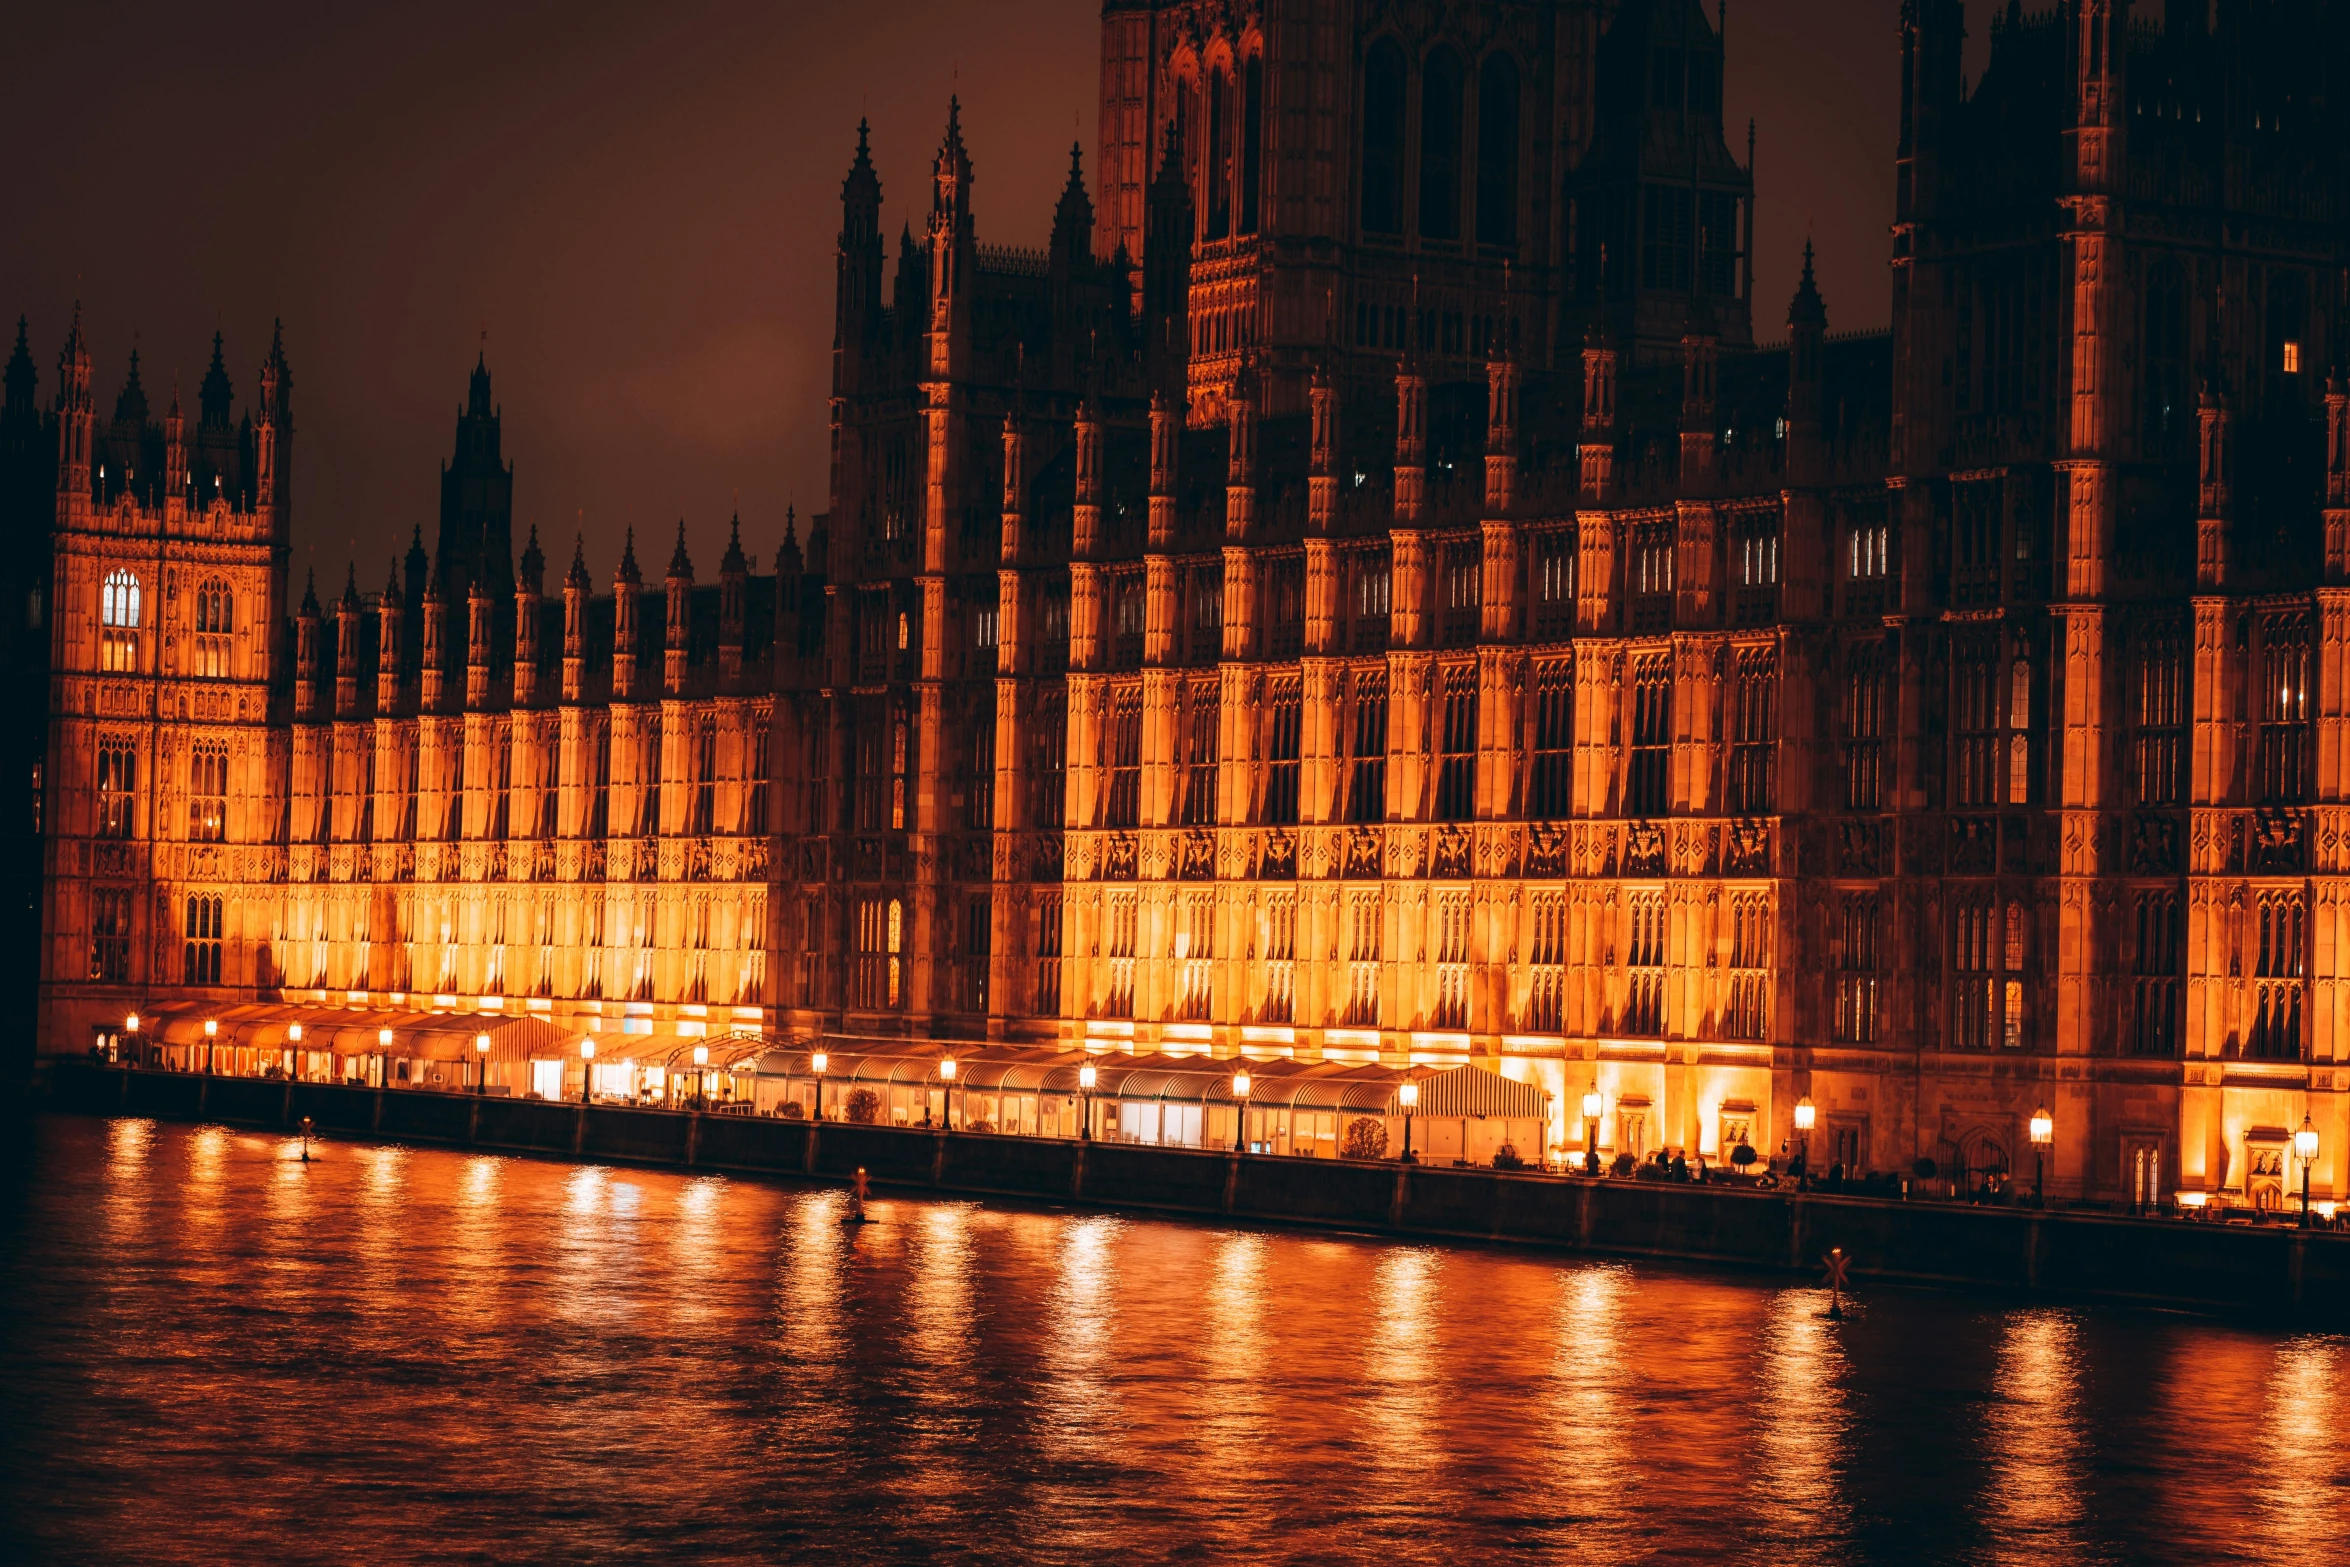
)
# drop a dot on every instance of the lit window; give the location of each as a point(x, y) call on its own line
point(2292, 357)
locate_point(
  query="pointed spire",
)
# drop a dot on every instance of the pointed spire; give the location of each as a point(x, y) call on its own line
point(216, 395)
point(310, 595)
point(1073, 218)
point(477, 389)
point(788, 561)
point(131, 406)
point(734, 563)
point(578, 576)
point(21, 379)
point(1807, 308)
point(627, 571)
point(951, 174)
point(392, 582)
point(680, 563)
point(534, 561)
point(862, 188)
point(350, 599)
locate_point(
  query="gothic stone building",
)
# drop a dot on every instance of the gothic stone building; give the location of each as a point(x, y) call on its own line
point(1364, 592)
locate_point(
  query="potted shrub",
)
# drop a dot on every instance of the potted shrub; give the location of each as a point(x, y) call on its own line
point(1506, 1158)
point(863, 1106)
point(793, 1110)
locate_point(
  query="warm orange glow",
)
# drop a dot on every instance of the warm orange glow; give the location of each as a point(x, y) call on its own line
point(383, 1037)
point(701, 1055)
point(587, 1050)
point(1087, 1077)
point(1804, 1114)
point(1240, 1085)
point(2043, 1128)
point(2305, 1142)
point(294, 1033)
point(946, 1070)
point(211, 1028)
point(481, 1042)
point(130, 1025)
point(818, 1062)
point(1408, 1095)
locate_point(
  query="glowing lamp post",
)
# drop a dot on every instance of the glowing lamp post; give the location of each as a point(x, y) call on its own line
point(481, 1068)
point(2043, 1133)
point(1593, 1105)
point(383, 1056)
point(1086, 1078)
point(1408, 1095)
point(130, 1039)
point(946, 1107)
point(293, 1043)
point(817, 1064)
point(702, 1076)
point(1805, 1115)
point(587, 1070)
point(2305, 1150)
point(1240, 1085)
point(211, 1032)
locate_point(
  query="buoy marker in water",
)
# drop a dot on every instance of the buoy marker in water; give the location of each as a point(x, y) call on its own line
point(858, 1191)
point(1837, 1263)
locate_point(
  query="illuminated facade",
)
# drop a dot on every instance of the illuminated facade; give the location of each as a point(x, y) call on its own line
point(1363, 592)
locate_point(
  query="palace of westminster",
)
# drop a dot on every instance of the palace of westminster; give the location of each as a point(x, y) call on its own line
point(1362, 592)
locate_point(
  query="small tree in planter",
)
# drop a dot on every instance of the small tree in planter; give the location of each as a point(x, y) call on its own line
point(793, 1110)
point(1743, 1156)
point(1506, 1158)
point(1365, 1138)
point(863, 1107)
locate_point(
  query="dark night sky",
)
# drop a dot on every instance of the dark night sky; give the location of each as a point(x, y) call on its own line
point(638, 204)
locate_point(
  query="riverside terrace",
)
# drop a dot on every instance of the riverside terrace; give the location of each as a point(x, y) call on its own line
point(2296, 1272)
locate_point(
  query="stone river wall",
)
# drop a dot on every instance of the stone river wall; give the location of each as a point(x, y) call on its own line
point(2270, 1270)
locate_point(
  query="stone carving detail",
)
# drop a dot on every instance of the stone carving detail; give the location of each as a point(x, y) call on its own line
point(1749, 849)
point(1860, 849)
point(1644, 849)
point(1974, 845)
point(1546, 852)
point(1119, 864)
point(1197, 856)
point(2154, 845)
point(1452, 854)
point(1362, 852)
point(2280, 841)
point(1279, 857)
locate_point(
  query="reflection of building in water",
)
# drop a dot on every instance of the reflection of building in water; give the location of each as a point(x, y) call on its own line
point(1362, 592)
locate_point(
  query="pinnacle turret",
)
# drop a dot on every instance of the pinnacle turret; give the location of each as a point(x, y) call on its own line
point(215, 396)
point(21, 379)
point(131, 406)
point(1807, 308)
point(534, 561)
point(680, 563)
point(627, 570)
point(310, 594)
point(734, 564)
point(578, 576)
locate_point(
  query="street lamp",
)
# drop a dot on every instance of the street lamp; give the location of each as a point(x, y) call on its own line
point(702, 1076)
point(1408, 1095)
point(1240, 1111)
point(816, 1064)
point(587, 1070)
point(293, 1044)
point(1592, 1106)
point(1086, 1078)
point(211, 1032)
point(946, 1097)
point(2043, 1133)
point(130, 1039)
point(383, 1055)
point(481, 1071)
point(1805, 1114)
point(2305, 1149)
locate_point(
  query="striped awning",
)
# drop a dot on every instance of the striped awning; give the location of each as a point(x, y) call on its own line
point(1047, 1069)
point(1476, 1093)
point(358, 1031)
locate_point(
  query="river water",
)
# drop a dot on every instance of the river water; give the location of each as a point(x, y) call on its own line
point(213, 1352)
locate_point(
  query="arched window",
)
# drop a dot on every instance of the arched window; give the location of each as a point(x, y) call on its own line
point(1218, 171)
point(1252, 139)
point(119, 604)
point(118, 619)
point(2170, 409)
point(1440, 146)
point(215, 613)
point(208, 794)
point(1497, 152)
point(897, 940)
point(200, 962)
point(1383, 139)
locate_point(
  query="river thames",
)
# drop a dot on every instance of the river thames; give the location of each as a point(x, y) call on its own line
point(210, 1351)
